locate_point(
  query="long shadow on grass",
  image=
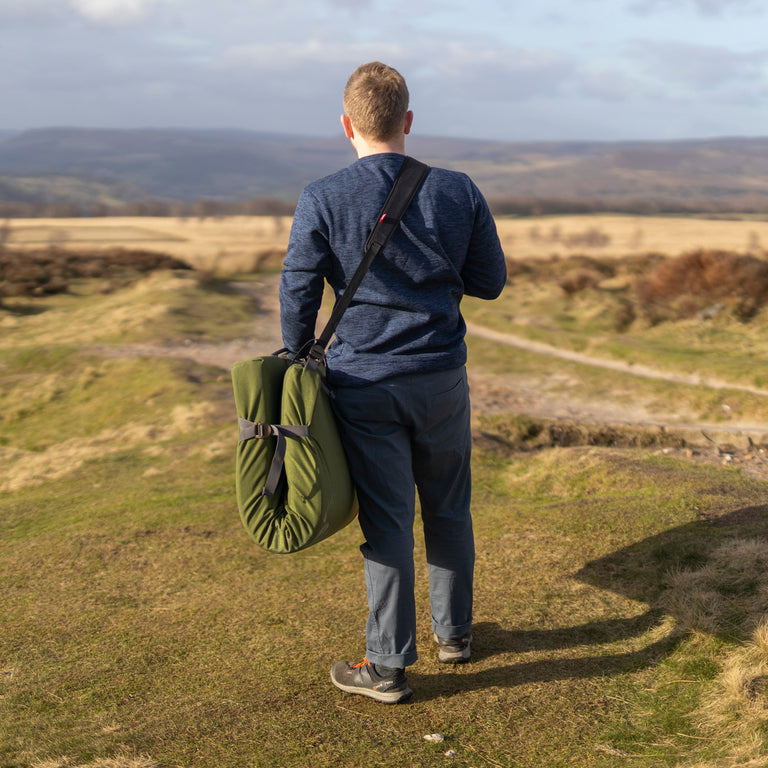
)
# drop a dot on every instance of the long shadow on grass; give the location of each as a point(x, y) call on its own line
point(540, 671)
point(639, 572)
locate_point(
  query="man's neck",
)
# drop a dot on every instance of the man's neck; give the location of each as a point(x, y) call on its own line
point(366, 149)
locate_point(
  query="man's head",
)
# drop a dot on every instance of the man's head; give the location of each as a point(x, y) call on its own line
point(376, 102)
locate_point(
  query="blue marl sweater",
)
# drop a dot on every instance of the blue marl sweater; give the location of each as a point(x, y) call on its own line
point(405, 316)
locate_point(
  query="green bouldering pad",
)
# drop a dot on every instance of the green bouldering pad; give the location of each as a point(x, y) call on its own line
point(289, 502)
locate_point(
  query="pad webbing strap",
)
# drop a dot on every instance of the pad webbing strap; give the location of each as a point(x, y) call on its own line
point(252, 430)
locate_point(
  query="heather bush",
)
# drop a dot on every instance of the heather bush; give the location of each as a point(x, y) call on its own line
point(577, 280)
point(50, 270)
point(685, 286)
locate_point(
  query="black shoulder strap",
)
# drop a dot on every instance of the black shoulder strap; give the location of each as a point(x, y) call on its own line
point(407, 184)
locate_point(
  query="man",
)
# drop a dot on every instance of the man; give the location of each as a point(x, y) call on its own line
point(396, 369)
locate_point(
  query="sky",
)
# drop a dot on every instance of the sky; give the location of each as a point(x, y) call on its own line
point(492, 69)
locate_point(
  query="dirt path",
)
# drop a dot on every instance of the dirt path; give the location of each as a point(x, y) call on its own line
point(633, 369)
point(266, 338)
point(490, 393)
point(512, 393)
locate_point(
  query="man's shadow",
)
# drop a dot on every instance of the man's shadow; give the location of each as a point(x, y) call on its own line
point(639, 572)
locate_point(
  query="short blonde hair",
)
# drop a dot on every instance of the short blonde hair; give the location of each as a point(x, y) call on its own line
point(376, 101)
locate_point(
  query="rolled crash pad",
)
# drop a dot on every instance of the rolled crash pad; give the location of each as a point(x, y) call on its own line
point(291, 503)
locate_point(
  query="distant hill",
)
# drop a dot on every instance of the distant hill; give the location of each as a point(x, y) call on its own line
point(53, 189)
point(187, 165)
point(177, 164)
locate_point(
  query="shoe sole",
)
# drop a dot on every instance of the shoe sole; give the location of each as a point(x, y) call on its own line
point(385, 697)
point(453, 657)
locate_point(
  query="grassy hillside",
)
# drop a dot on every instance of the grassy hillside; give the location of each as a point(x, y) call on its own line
point(620, 592)
point(236, 165)
point(55, 189)
point(181, 164)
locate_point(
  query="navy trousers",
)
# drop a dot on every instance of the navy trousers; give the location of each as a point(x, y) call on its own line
point(405, 435)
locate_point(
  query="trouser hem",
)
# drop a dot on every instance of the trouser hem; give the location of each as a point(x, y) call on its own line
point(453, 632)
point(397, 661)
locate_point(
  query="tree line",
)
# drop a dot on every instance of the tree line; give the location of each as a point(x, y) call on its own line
point(263, 206)
point(11, 209)
point(553, 206)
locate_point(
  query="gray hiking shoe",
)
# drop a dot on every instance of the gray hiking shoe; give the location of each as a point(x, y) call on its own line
point(363, 678)
point(453, 651)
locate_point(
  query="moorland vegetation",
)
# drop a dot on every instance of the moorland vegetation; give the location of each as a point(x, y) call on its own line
point(621, 595)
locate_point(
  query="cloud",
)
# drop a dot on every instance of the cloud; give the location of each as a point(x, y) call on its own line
point(704, 7)
point(609, 84)
point(115, 11)
point(98, 11)
point(352, 4)
point(701, 67)
point(290, 55)
point(272, 65)
point(10, 7)
point(497, 72)
point(28, 10)
point(468, 69)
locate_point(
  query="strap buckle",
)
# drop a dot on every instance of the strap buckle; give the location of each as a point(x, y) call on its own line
point(316, 353)
point(315, 356)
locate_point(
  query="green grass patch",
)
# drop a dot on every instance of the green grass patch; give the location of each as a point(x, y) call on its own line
point(50, 395)
point(163, 306)
point(138, 614)
point(212, 310)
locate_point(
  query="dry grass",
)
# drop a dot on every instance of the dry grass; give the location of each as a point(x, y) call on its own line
point(120, 761)
point(618, 236)
point(729, 595)
point(97, 317)
point(51, 270)
point(734, 710)
point(227, 245)
point(25, 468)
point(151, 307)
point(222, 245)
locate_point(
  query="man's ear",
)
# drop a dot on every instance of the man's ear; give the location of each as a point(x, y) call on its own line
point(346, 124)
point(408, 122)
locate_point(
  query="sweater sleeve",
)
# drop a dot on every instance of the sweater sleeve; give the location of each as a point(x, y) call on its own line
point(306, 266)
point(485, 270)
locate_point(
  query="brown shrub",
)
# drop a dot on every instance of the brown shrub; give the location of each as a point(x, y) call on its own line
point(516, 267)
point(684, 286)
point(577, 280)
point(46, 271)
point(624, 315)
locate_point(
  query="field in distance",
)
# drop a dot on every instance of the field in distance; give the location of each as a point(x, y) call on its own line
point(236, 244)
point(225, 245)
